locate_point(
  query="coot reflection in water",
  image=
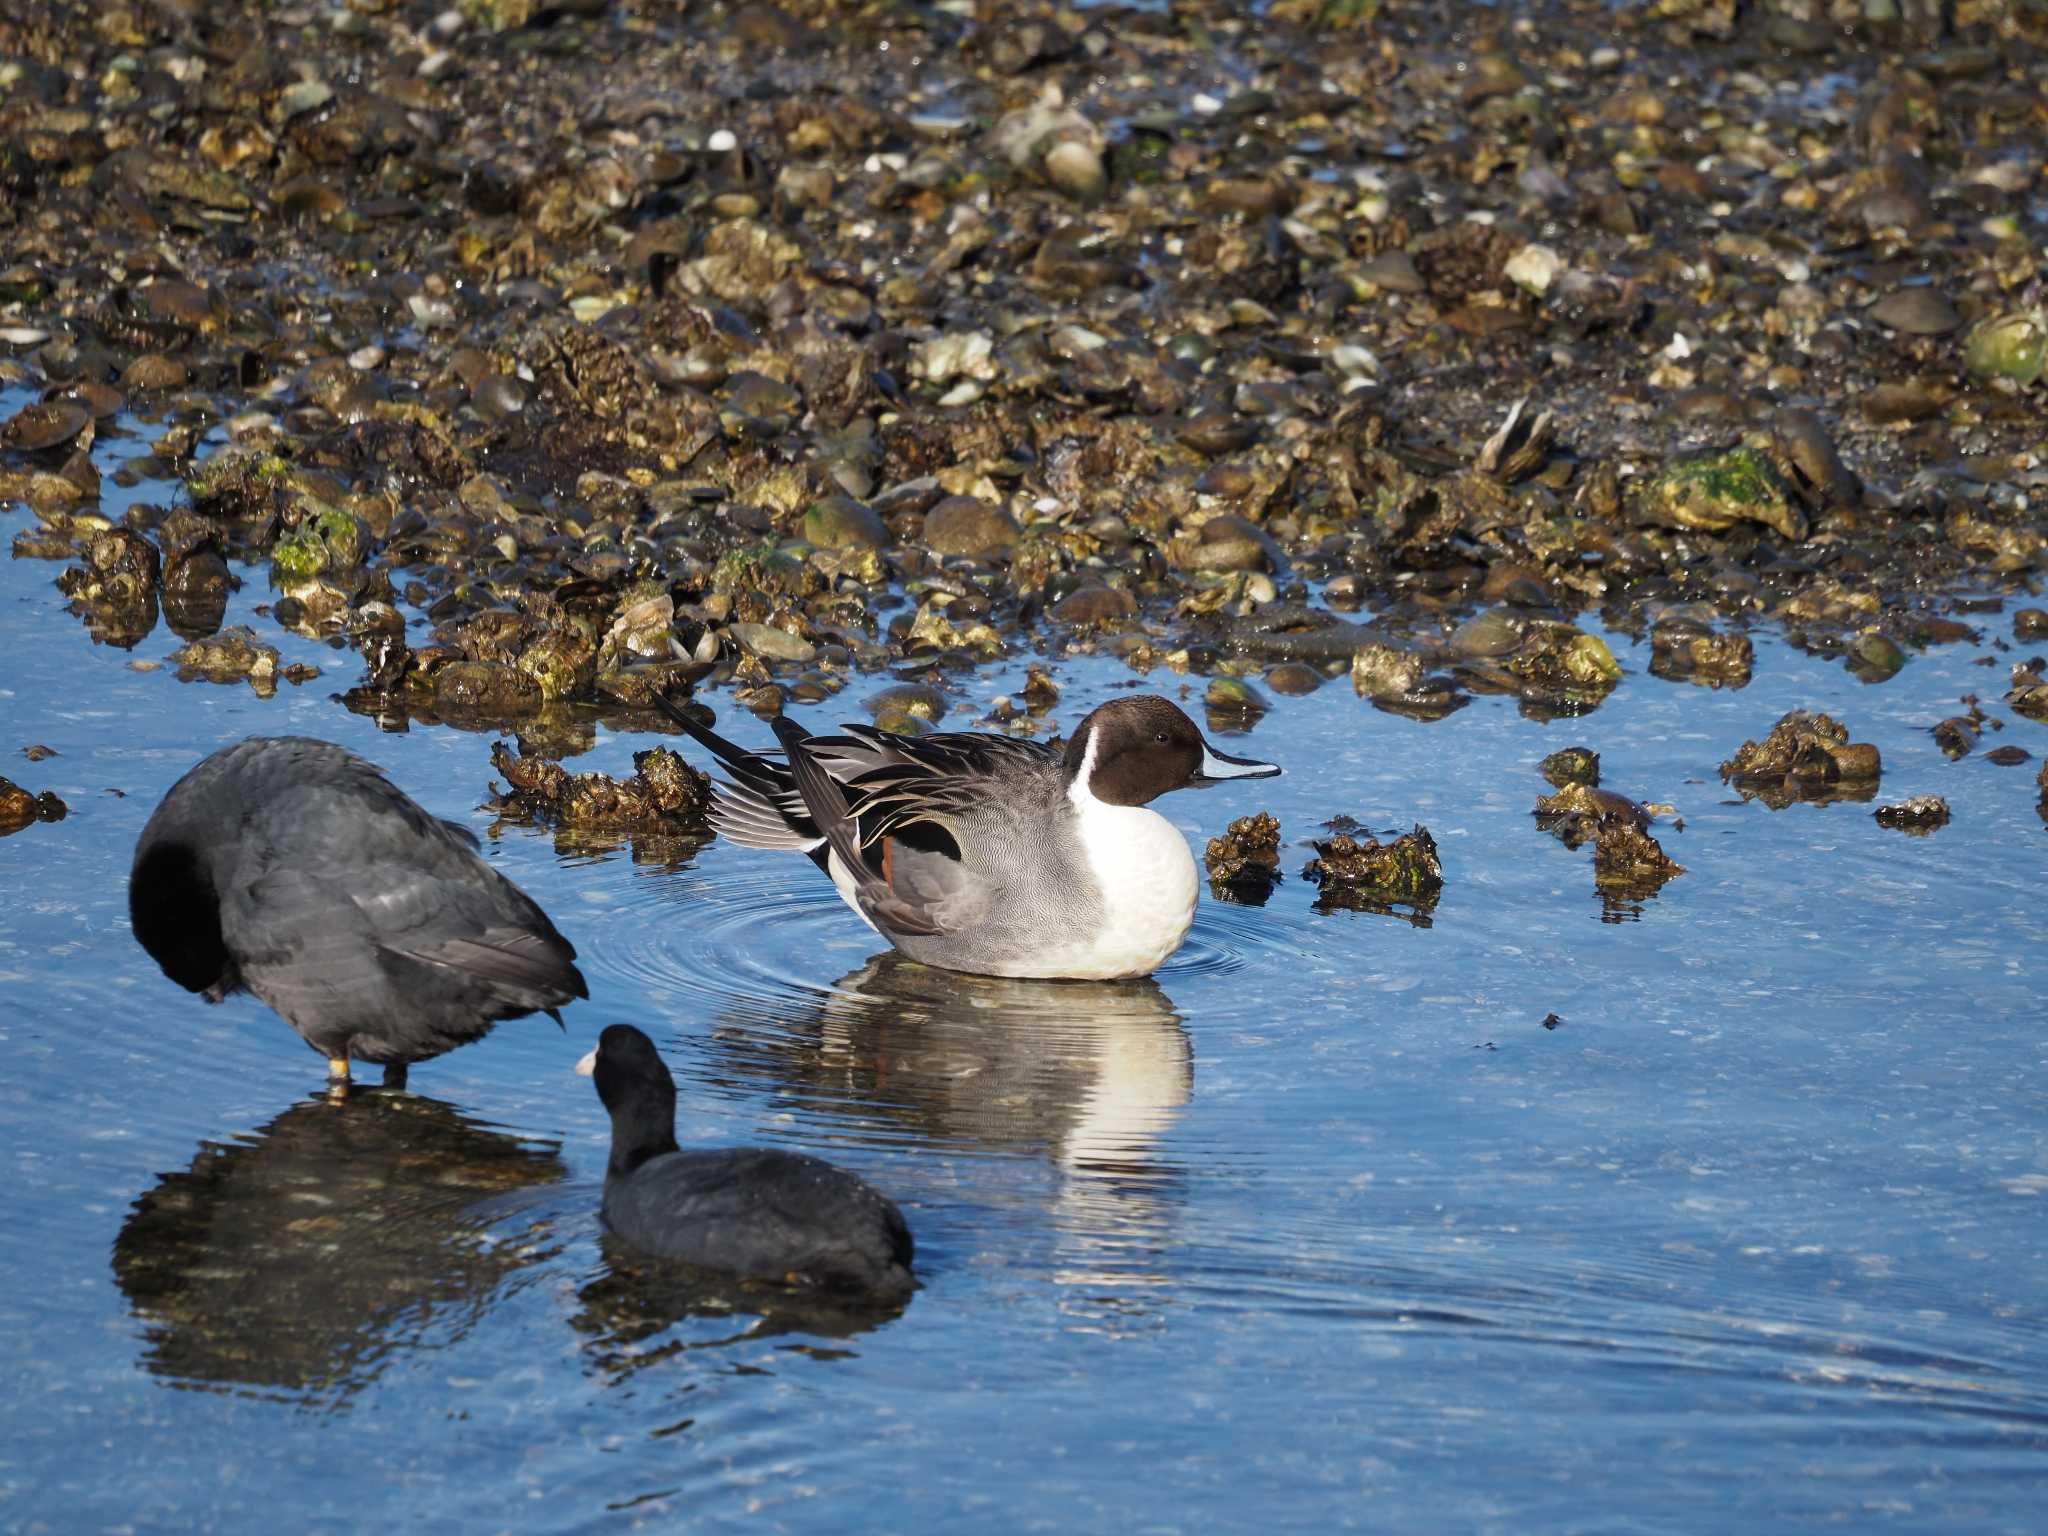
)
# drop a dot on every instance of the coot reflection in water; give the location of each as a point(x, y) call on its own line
point(630, 1311)
point(304, 1257)
point(1090, 1075)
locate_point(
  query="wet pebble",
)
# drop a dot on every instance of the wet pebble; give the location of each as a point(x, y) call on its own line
point(1095, 607)
point(841, 522)
point(967, 525)
point(1916, 312)
point(1293, 678)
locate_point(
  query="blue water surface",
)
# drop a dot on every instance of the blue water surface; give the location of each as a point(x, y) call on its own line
point(1322, 1229)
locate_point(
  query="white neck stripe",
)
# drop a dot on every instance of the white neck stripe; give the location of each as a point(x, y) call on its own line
point(1080, 787)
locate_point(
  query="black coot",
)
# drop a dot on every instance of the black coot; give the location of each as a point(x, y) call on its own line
point(755, 1211)
point(294, 870)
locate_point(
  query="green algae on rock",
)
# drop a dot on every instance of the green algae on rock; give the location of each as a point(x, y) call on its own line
point(2012, 347)
point(323, 540)
point(1360, 873)
point(1714, 492)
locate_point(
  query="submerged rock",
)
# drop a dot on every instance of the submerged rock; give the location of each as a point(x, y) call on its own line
point(196, 586)
point(482, 691)
point(19, 808)
point(1682, 649)
point(115, 590)
point(1957, 735)
point(1916, 817)
point(1578, 810)
point(1232, 705)
point(908, 709)
point(1562, 668)
point(1629, 865)
point(1630, 862)
point(1874, 657)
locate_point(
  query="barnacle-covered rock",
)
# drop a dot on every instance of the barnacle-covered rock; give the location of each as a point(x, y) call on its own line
point(1806, 756)
point(1244, 863)
point(1360, 873)
point(664, 806)
point(1571, 765)
point(234, 655)
point(485, 691)
point(1629, 865)
point(239, 485)
point(1683, 648)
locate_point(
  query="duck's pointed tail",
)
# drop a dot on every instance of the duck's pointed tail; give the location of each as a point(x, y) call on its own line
point(761, 806)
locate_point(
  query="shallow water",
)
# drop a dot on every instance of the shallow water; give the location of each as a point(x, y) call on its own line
point(1322, 1228)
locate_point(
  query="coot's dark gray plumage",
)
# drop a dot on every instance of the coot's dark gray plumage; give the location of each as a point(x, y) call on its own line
point(755, 1211)
point(294, 870)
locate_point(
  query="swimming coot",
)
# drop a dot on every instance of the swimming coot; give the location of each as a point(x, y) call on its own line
point(294, 870)
point(755, 1211)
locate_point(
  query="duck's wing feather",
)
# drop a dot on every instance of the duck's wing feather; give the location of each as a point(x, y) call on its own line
point(762, 806)
point(945, 754)
point(932, 893)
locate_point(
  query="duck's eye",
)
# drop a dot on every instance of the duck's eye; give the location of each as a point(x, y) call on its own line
point(1161, 737)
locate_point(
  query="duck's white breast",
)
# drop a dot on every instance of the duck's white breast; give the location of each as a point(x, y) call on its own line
point(1146, 878)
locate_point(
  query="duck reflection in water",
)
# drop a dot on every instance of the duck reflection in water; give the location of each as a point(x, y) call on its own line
point(300, 1260)
point(1091, 1075)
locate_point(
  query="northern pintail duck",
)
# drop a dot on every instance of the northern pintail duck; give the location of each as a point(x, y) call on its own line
point(755, 1211)
point(989, 853)
point(293, 869)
